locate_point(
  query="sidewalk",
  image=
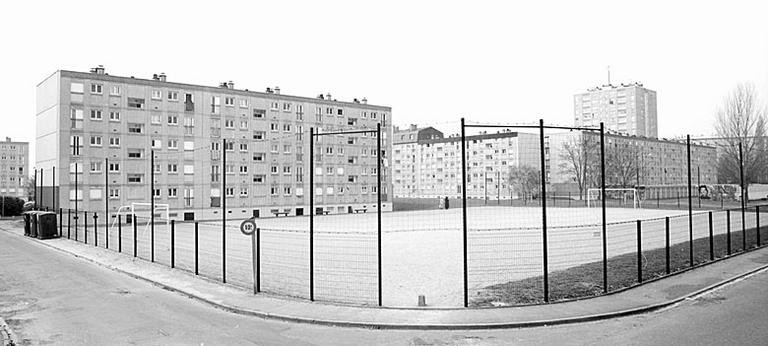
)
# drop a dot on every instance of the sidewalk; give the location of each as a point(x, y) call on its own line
point(648, 297)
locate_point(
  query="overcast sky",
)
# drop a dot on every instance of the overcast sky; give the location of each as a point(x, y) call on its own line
point(432, 62)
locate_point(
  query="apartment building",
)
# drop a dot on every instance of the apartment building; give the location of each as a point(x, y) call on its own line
point(658, 164)
point(625, 108)
point(103, 129)
point(427, 164)
point(14, 172)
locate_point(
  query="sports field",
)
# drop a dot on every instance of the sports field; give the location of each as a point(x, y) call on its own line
point(421, 250)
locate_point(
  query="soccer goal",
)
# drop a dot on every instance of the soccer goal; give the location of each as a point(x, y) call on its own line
point(143, 215)
point(623, 193)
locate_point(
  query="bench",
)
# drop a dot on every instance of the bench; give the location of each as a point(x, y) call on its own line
point(278, 213)
point(359, 210)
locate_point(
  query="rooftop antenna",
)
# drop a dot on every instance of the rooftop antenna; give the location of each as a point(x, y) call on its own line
point(609, 74)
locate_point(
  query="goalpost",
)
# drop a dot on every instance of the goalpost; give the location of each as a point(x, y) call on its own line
point(142, 212)
point(593, 194)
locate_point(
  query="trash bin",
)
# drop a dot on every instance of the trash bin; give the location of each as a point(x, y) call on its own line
point(46, 222)
point(27, 223)
point(33, 224)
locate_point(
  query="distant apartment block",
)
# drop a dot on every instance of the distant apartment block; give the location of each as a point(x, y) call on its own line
point(14, 163)
point(627, 108)
point(428, 164)
point(124, 119)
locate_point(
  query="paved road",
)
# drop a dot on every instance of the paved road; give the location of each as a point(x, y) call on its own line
point(48, 297)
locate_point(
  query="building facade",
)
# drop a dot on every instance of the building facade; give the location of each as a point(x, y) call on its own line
point(427, 164)
point(103, 129)
point(14, 168)
point(631, 161)
point(627, 108)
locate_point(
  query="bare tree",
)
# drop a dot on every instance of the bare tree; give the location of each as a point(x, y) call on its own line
point(741, 119)
point(579, 156)
point(621, 164)
point(525, 179)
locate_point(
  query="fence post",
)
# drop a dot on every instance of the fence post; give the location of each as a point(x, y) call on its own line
point(312, 213)
point(602, 194)
point(69, 220)
point(464, 210)
point(152, 205)
point(173, 243)
point(690, 203)
point(728, 230)
point(119, 233)
point(544, 211)
point(134, 234)
point(224, 211)
point(258, 260)
point(711, 239)
point(639, 252)
point(61, 221)
point(378, 209)
point(666, 240)
point(85, 225)
point(196, 249)
point(95, 230)
point(743, 204)
point(757, 223)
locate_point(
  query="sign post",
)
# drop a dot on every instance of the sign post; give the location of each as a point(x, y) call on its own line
point(248, 228)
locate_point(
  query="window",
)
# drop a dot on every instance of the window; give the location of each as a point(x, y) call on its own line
point(258, 157)
point(189, 169)
point(329, 170)
point(230, 124)
point(229, 101)
point(173, 120)
point(215, 104)
point(135, 153)
point(134, 178)
point(286, 127)
point(229, 169)
point(229, 146)
point(243, 169)
point(339, 112)
point(114, 193)
point(173, 144)
point(173, 168)
point(114, 116)
point(273, 148)
point(154, 119)
point(189, 195)
point(259, 113)
point(286, 170)
point(114, 142)
point(114, 90)
point(275, 106)
point(156, 193)
point(157, 94)
point(95, 194)
point(189, 121)
point(135, 128)
point(287, 191)
point(243, 192)
point(76, 88)
point(95, 114)
point(96, 167)
point(286, 107)
point(243, 103)
point(243, 146)
point(96, 88)
point(172, 192)
point(258, 178)
point(114, 167)
point(273, 127)
point(243, 124)
point(95, 141)
point(76, 117)
point(286, 149)
point(157, 144)
point(258, 135)
point(189, 145)
point(158, 168)
point(273, 169)
point(230, 191)
point(135, 103)
point(173, 96)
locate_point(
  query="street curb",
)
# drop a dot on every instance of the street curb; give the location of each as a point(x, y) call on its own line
point(396, 326)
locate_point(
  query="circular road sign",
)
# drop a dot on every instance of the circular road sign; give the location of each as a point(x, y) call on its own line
point(248, 226)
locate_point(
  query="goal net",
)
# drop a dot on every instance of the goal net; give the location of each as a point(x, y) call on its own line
point(144, 215)
point(623, 194)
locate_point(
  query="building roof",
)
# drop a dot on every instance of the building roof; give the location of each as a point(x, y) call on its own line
point(160, 83)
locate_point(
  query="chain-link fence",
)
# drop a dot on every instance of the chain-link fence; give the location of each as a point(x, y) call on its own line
point(497, 215)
